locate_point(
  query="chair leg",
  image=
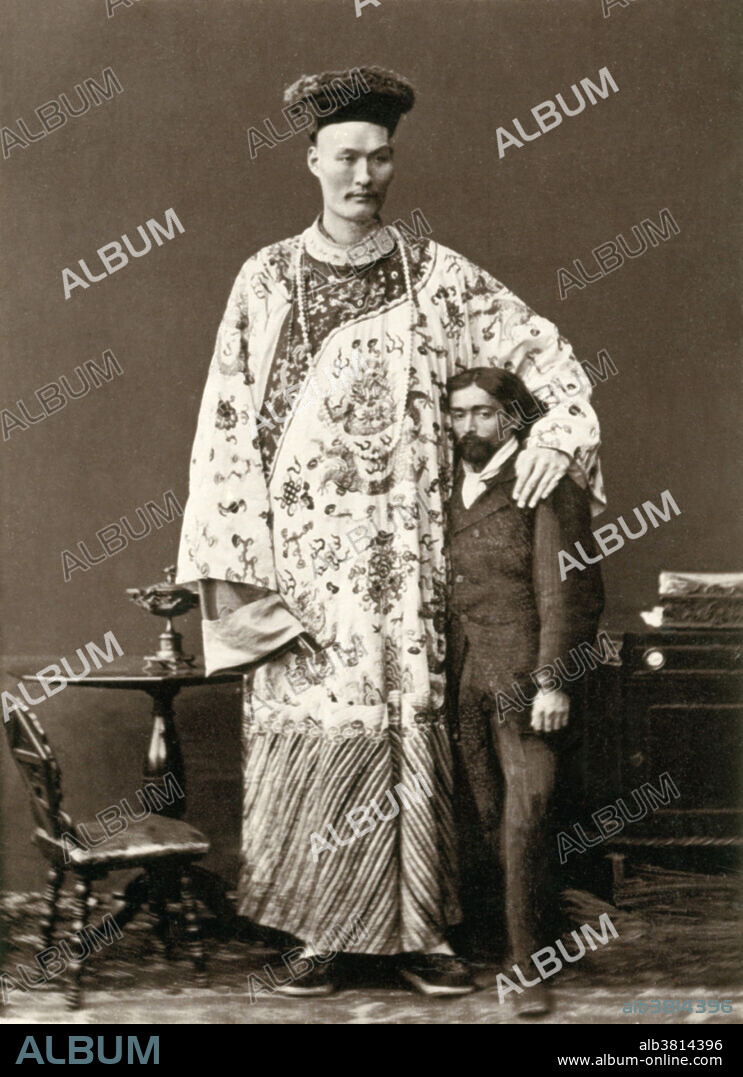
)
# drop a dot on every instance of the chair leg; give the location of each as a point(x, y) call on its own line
point(157, 902)
point(49, 915)
point(131, 900)
point(79, 923)
point(193, 931)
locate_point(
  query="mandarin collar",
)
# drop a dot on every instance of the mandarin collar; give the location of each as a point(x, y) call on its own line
point(324, 249)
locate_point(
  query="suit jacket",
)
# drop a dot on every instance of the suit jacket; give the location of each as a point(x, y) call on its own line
point(510, 610)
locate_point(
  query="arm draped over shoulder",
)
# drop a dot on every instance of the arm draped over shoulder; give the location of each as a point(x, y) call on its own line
point(499, 329)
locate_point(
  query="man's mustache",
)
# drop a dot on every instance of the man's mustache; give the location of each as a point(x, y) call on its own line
point(475, 449)
point(473, 439)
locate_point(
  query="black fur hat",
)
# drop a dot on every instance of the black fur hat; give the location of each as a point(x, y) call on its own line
point(369, 94)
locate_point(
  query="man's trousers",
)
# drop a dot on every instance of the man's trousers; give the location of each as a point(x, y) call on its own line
point(505, 807)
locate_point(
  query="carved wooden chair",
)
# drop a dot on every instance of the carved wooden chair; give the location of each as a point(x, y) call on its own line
point(166, 848)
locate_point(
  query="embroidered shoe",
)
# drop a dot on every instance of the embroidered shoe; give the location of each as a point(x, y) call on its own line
point(437, 975)
point(318, 981)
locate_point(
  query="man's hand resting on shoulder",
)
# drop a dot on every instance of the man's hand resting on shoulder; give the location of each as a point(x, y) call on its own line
point(538, 472)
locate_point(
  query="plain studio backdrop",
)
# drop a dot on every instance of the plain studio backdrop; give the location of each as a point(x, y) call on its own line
point(195, 76)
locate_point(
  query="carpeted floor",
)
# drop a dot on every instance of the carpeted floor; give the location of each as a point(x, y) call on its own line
point(679, 938)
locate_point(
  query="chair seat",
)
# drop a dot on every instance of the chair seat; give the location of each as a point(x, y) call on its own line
point(154, 838)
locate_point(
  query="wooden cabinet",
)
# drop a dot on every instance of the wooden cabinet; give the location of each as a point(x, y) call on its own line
point(682, 714)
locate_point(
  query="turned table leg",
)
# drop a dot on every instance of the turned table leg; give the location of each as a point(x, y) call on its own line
point(164, 756)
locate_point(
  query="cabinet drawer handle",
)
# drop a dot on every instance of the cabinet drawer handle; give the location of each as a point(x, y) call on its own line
point(654, 659)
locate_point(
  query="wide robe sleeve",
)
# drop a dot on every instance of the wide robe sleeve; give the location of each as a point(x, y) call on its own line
point(226, 541)
point(497, 329)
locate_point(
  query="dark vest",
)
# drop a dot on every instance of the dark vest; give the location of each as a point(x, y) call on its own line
point(510, 611)
point(491, 555)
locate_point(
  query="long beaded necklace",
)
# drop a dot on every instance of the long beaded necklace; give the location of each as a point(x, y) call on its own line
point(375, 451)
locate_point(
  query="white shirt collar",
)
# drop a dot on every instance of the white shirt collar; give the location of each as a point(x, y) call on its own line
point(475, 482)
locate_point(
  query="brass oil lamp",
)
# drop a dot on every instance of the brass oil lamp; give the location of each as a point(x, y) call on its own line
point(166, 599)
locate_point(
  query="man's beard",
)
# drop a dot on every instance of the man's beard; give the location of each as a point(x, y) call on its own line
point(476, 451)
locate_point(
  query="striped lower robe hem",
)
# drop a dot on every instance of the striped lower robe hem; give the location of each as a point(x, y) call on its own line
point(395, 872)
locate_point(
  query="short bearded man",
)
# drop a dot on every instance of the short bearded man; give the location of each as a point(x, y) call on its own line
point(320, 472)
point(510, 613)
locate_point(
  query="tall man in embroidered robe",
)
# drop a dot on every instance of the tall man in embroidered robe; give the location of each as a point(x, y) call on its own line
point(320, 472)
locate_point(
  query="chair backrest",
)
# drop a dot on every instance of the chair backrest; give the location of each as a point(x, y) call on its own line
point(38, 768)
